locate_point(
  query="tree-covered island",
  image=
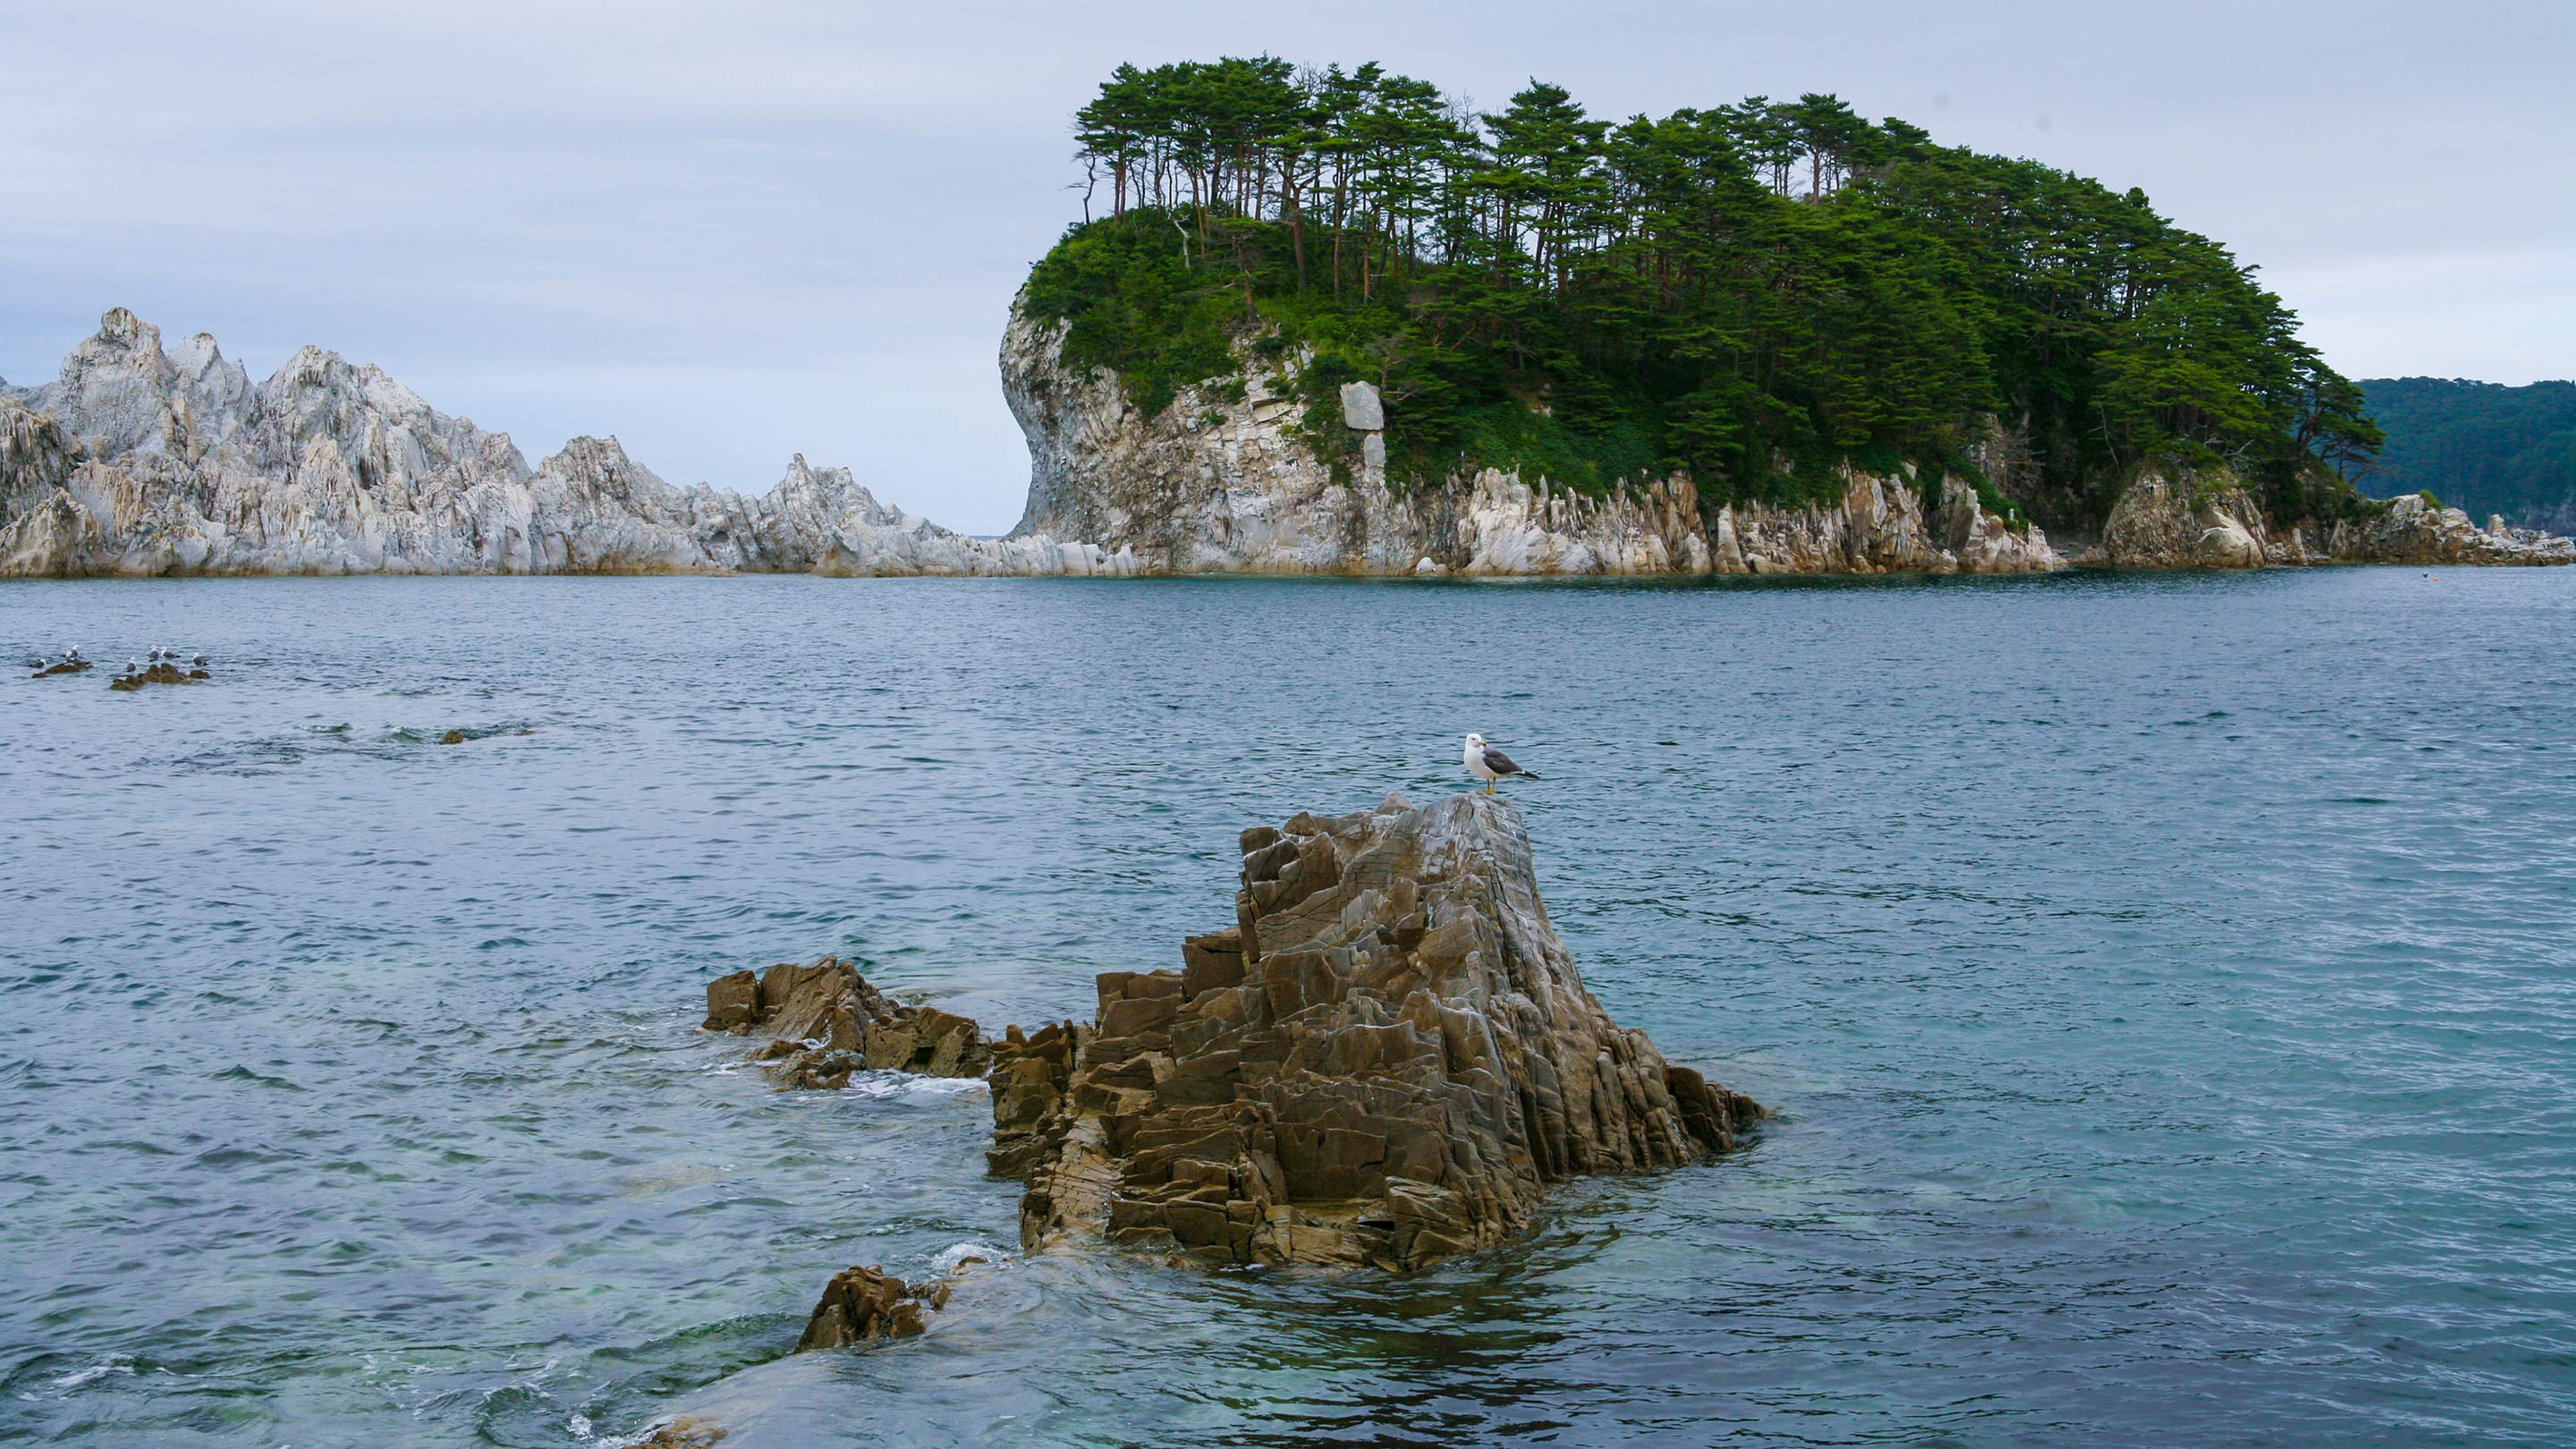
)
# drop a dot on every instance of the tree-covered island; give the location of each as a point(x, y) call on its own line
point(1748, 295)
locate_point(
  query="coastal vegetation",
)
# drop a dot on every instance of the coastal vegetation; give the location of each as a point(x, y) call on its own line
point(1748, 294)
point(2481, 446)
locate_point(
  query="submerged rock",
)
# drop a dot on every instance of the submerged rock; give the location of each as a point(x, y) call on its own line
point(1385, 1062)
point(685, 1432)
point(825, 1021)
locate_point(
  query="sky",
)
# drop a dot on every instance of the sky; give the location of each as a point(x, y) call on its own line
point(727, 234)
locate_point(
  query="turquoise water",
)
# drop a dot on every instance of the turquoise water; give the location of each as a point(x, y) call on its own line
point(2164, 982)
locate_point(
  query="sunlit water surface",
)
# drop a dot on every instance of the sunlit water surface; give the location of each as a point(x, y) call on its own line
point(2164, 984)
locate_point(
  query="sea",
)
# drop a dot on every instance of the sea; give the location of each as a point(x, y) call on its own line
point(2163, 985)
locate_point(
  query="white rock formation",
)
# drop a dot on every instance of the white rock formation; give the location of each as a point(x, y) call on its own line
point(1220, 483)
point(2211, 521)
point(138, 460)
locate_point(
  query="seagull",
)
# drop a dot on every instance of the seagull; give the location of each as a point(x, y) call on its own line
point(200, 661)
point(37, 663)
point(133, 667)
point(1489, 764)
point(71, 654)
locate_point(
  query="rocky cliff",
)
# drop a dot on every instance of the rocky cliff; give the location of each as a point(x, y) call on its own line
point(2186, 520)
point(141, 460)
point(1384, 1062)
point(1222, 479)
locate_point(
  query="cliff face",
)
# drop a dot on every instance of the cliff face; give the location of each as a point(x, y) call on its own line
point(1216, 482)
point(2211, 521)
point(138, 460)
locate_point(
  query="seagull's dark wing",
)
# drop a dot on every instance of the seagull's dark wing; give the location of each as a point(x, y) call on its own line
point(1500, 763)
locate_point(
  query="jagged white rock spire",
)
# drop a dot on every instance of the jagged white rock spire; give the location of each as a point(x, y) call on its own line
point(138, 459)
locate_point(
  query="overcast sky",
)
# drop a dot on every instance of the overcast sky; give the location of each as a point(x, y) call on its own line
point(730, 233)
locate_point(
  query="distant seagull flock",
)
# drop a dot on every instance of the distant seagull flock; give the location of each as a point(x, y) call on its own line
point(1489, 764)
point(157, 657)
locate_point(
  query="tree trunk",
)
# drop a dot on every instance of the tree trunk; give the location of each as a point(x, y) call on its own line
point(1296, 220)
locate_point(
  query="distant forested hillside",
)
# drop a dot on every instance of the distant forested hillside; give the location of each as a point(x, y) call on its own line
point(1748, 293)
point(2481, 446)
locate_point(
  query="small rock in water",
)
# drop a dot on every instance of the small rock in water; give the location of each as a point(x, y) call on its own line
point(452, 737)
point(163, 672)
point(861, 1303)
point(825, 1021)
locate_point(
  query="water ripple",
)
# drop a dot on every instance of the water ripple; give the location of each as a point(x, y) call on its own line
point(2163, 982)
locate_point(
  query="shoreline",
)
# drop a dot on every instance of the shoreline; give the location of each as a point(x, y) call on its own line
point(1320, 576)
point(146, 461)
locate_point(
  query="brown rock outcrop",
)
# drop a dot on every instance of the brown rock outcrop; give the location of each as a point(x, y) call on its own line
point(160, 673)
point(825, 1021)
point(1384, 1063)
point(862, 1303)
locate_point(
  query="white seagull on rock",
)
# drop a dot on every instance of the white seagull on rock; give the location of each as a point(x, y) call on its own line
point(1489, 764)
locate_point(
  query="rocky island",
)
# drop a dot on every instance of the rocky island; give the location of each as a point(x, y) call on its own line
point(1368, 331)
point(1330, 324)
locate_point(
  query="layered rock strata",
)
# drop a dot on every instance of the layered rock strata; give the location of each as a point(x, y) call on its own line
point(144, 461)
point(2212, 521)
point(1224, 479)
point(1385, 1062)
point(824, 1022)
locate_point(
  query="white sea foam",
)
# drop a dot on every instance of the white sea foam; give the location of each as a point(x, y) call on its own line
point(114, 1363)
point(947, 1259)
point(887, 1086)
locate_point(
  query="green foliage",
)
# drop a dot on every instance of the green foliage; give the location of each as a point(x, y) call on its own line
point(2490, 448)
point(1751, 295)
point(1134, 307)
